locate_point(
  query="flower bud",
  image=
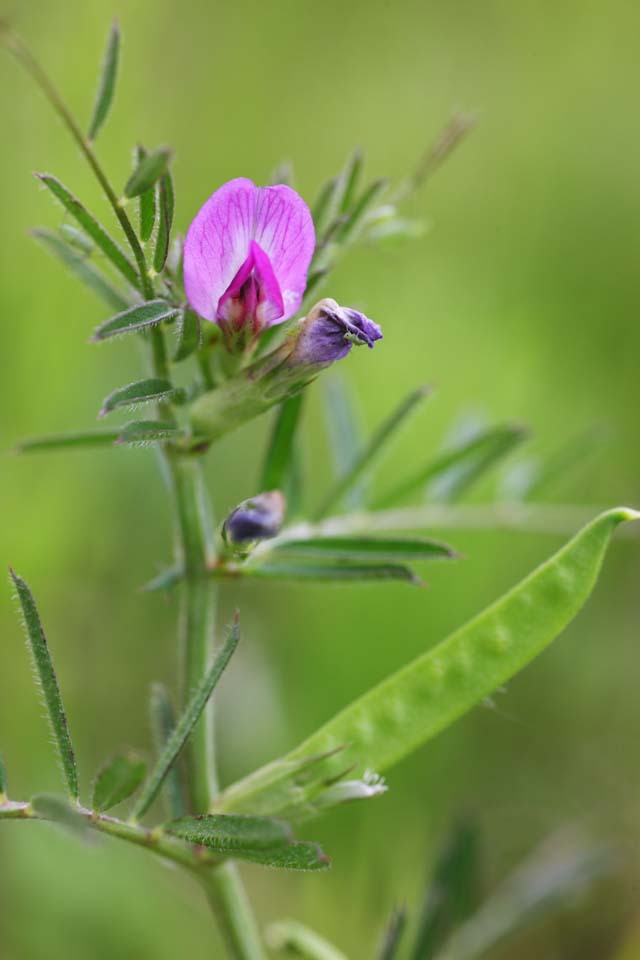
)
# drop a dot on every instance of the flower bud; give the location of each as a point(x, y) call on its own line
point(253, 520)
point(328, 333)
point(325, 335)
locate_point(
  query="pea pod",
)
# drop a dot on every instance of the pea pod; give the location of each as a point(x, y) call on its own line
point(411, 706)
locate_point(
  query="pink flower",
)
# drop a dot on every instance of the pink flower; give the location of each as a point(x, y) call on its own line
point(246, 257)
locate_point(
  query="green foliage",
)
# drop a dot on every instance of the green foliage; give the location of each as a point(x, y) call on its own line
point(407, 709)
point(77, 439)
point(189, 334)
point(162, 725)
point(117, 781)
point(559, 871)
point(48, 684)
point(146, 203)
point(166, 205)
point(79, 265)
point(143, 432)
point(364, 548)
point(453, 473)
point(278, 463)
point(372, 450)
point(345, 436)
point(150, 167)
point(257, 839)
point(135, 319)
point(107, 83)
point(228, 834)
point(299, 855)
point(452, 892)
point(142, 391)
point(92, 228)
point(338, 572)
point(295, 940)
point(392, 937)
point(187, 721)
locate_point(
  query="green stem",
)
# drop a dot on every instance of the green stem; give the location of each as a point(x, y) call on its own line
point(31, 65)
point(194, 548)
point(161, 843)
point(197, 615)
point(229, 902)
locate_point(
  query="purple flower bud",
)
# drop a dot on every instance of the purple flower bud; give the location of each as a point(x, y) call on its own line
point(328, 332)
point(246, 257)
point(256, 519)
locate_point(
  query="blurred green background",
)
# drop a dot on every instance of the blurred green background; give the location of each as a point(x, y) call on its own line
point(520, 303)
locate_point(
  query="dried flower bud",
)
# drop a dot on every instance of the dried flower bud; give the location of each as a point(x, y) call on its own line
point(256, 519)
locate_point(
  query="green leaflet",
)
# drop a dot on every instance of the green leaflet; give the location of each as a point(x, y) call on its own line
point(166, 203)
point(552, 875)
point(135, 319)
point(49, 683)
point(298, 855)
point(163, 722)
point(78, 264)
point(149, 169)
point(256, 839)
point(411, 706)
point(189, 334)
point(142, 432)
point(117, 780)
point(353, 224)
point(146, 203)
point(371, 451)
point(391, 939)
point(142, 391)
point(280, 453)
point(294, 939)
point(351, 177)
point(327, 204)
point(165, 580)
point(227, 834)
point(452, 892)
point(366, 548)
point(65, 441)
point(345, 434)
point(91, 227)
point(107, 83)
point(453, 472)
point(180, 734)
point(337, 572)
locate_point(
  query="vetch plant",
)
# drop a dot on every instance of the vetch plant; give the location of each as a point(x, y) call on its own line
point(235, 309)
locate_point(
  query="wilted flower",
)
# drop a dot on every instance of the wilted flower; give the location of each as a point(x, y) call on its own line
point(371, 785)
point(246, 257)
point(328, 332)
point(256, 519)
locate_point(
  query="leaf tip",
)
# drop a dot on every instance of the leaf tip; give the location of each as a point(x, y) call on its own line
point(622, 514)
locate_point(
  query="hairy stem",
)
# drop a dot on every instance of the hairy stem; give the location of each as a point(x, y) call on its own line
point(31, 65)
point(161, 843)
point(230, 904)
point(197, 615)
point(194, 547)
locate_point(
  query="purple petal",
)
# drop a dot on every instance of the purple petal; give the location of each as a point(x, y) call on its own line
point(284, 230)
point(328, 333)
point(220, 244)
point(217, 245)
